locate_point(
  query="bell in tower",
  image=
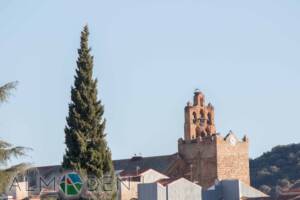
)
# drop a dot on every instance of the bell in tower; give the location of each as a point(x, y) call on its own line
point(199, 118)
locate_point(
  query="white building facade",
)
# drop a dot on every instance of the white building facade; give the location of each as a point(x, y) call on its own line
point(128, 183)
point(179, 189)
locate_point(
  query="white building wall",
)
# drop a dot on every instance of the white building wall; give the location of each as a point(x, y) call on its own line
point(20, 191)
point(183, 189)
point(129, 189)
point(161, 192)
point(249, 192)
point(151, 176)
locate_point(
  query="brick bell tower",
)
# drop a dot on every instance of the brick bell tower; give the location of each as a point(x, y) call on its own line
point(199, 118)
point(209, 156)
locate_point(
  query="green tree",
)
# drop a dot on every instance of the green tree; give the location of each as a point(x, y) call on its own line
point(281, 163)
point(5, 90)
point(86, 146)
point(7, 150)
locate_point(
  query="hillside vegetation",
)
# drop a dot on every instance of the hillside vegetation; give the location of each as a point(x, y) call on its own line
point(279, 167)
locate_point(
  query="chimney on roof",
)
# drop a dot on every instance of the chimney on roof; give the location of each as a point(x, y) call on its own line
point(137, 170)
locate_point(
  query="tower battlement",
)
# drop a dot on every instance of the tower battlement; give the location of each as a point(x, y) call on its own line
point(212, 139)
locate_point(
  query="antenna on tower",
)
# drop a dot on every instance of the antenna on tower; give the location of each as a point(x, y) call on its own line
point(137, 170)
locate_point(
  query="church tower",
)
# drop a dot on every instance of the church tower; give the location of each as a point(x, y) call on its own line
point(209, 157)
point(199, 118)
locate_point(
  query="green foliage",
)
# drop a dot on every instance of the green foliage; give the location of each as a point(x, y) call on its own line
point(279, 167)
point(5, 90)
point(7, 150)
point(87, 150)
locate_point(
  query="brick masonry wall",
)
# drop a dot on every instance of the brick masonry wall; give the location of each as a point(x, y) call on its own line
point(212, 158)
point(233, 160)
point(201, 161)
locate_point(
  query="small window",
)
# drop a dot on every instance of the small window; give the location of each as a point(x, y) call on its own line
point(209, 121)
point(202, 114)
point(194, 118)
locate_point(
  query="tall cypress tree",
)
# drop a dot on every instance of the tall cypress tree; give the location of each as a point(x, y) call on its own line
point(87, 149)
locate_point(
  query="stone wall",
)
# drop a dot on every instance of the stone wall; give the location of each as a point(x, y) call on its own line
point(214, 158)
point(233, 160)
point(201, 159)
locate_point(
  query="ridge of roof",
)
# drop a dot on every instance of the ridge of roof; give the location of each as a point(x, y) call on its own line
point(148, 157)
point(167, 181)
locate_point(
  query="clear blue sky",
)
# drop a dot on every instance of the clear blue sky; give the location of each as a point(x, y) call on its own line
point(149, 58)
